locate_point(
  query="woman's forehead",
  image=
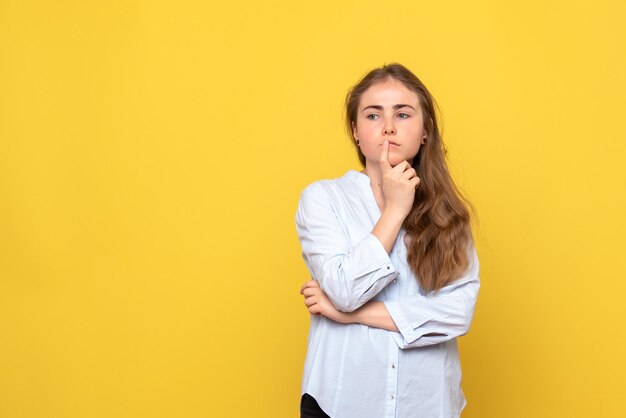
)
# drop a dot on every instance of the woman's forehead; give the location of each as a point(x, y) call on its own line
point(388, 93)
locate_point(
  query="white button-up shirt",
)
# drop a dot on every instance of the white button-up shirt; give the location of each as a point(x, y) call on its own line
point(357, 371)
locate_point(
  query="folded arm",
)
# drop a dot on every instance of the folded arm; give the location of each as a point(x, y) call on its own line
point(417, 320)
point(373, 313)
point(349, 274)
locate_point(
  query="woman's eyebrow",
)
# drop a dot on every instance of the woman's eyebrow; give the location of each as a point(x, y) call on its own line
point(395, 107)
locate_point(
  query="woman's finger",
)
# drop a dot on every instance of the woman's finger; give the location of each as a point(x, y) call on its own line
point(304, 286)
point(409, 174)
point(310, 283)
point(310, 291)
point(401, 167)
point(311, 300)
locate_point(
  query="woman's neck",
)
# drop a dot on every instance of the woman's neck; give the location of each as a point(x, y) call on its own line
point(376, 181)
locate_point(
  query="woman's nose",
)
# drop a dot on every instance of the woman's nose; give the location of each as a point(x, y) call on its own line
point(389, 129)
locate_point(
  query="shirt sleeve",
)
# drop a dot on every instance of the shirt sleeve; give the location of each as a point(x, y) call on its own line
point(349, 274)
point(447, 313)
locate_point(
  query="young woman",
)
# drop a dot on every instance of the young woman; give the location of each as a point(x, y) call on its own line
point(395, 270)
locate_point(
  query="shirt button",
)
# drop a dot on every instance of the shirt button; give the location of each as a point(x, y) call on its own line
point(392, 397)
point(388, 268)
point(393, 366)
point(394, 281)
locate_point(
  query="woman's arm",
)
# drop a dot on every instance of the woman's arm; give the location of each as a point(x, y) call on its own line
point(439, 316)
point(420, 320)
point(350, 274)
point(373, 313)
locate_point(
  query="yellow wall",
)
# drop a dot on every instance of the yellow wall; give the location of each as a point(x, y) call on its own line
point(151, 159)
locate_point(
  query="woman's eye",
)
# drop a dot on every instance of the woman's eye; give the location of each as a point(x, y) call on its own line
point(403, 115)
point(372, 116)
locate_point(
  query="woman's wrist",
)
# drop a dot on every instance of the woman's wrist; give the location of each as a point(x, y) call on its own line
point(346, 317)
point(388, 227)
point(394, 213)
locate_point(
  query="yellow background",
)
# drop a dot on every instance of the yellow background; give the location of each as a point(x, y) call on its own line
point(152, 155)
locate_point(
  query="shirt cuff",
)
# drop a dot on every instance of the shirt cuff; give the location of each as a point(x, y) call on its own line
point(375, 257)
point(408, 328)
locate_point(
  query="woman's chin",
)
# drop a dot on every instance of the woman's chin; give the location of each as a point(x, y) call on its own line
point(394, 161)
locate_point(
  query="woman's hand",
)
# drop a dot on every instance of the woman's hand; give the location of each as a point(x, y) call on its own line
point(398, 183)
point(319, 304)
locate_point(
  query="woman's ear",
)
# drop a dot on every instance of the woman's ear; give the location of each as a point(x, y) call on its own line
point(354, 134)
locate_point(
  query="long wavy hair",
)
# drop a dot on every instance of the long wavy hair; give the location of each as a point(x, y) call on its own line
point(438, 228)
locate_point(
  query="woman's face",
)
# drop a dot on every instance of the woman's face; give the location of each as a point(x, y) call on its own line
point(389, 110)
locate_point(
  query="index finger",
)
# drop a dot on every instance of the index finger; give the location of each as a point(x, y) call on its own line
point(309, 283)
point(384, 155)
